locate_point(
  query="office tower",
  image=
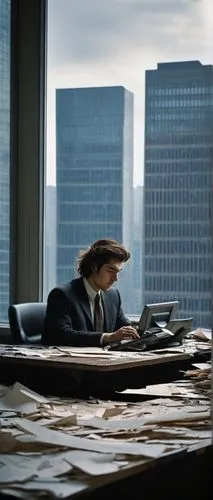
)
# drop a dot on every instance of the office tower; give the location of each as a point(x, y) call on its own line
point(178, 169)
point(50, 240)
point(94, 141)
point(4, 157)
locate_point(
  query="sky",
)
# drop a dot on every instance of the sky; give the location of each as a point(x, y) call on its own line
point(113, 42)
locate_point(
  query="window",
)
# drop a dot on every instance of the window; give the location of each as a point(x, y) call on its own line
point(129, 144)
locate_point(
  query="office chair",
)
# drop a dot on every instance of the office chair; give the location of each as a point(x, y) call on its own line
point(27, 322)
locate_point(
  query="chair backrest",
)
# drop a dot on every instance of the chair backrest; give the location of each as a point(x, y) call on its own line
point(27, 322)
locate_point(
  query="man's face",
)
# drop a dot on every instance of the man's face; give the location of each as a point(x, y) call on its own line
point(106, 276)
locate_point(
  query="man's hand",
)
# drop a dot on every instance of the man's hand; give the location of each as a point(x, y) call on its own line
point(123, 333)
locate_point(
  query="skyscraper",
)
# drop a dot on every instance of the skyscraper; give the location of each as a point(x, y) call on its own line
point(178, 169)
point(94, 172)
point(4, 157)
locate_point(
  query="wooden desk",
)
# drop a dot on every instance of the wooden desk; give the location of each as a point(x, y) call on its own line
point(88, 362)
point(102, 373)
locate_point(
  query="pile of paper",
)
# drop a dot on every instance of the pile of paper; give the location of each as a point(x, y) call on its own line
point(201, 378)
point(55, 352)
point(189, 346)
point(58, 447)
point(202, 334)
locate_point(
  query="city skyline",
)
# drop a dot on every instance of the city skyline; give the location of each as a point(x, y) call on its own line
point(113, 45)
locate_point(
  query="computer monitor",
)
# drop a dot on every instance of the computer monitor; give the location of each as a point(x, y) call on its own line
point(157, 315)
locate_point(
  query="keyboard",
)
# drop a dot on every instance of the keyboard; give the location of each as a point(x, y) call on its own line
point(157, 339)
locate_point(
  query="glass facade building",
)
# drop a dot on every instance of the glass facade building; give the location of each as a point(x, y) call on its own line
point(94, 173)
point(4, 157)
point(178, 170)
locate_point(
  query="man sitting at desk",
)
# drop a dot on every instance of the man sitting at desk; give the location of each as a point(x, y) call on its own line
point(87, 311)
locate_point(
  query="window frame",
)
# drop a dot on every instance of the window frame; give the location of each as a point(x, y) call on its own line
point(27, 151)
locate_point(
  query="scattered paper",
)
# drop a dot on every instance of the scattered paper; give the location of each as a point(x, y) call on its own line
point(10, 473)
point(166, 390)
point(202, 333)
point(65, 444)
point(54, 488)
point(40, 435)
point(93, 463)
point(16, 399)
point(202, 366)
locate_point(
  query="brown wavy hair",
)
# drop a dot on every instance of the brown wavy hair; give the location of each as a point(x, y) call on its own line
point(98, 254)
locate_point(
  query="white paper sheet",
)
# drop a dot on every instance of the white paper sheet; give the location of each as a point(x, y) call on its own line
point(128, 424)
point(58, 438)
point(202, 333)
point(55, 488)
point(11, 473)
point(21, 399)
point(202, 366)
point(93, 463)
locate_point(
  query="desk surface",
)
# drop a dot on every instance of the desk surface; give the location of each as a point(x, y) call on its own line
point(96, 359)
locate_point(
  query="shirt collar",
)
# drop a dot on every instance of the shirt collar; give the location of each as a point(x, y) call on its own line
point(90, 291)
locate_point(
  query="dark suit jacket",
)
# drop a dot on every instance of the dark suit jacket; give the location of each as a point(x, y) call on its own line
point(68, 318)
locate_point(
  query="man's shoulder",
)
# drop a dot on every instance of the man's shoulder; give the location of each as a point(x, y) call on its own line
point(68, 287)
point(71, 285)
point(112, 293)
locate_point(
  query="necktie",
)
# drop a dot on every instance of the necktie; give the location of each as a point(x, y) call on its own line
point(98, 314)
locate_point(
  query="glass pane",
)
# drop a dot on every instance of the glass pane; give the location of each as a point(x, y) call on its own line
point(129, 145)
point(4, 156)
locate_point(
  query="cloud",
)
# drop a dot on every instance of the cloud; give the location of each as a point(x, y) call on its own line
point(97, 43)
point(93, 31)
